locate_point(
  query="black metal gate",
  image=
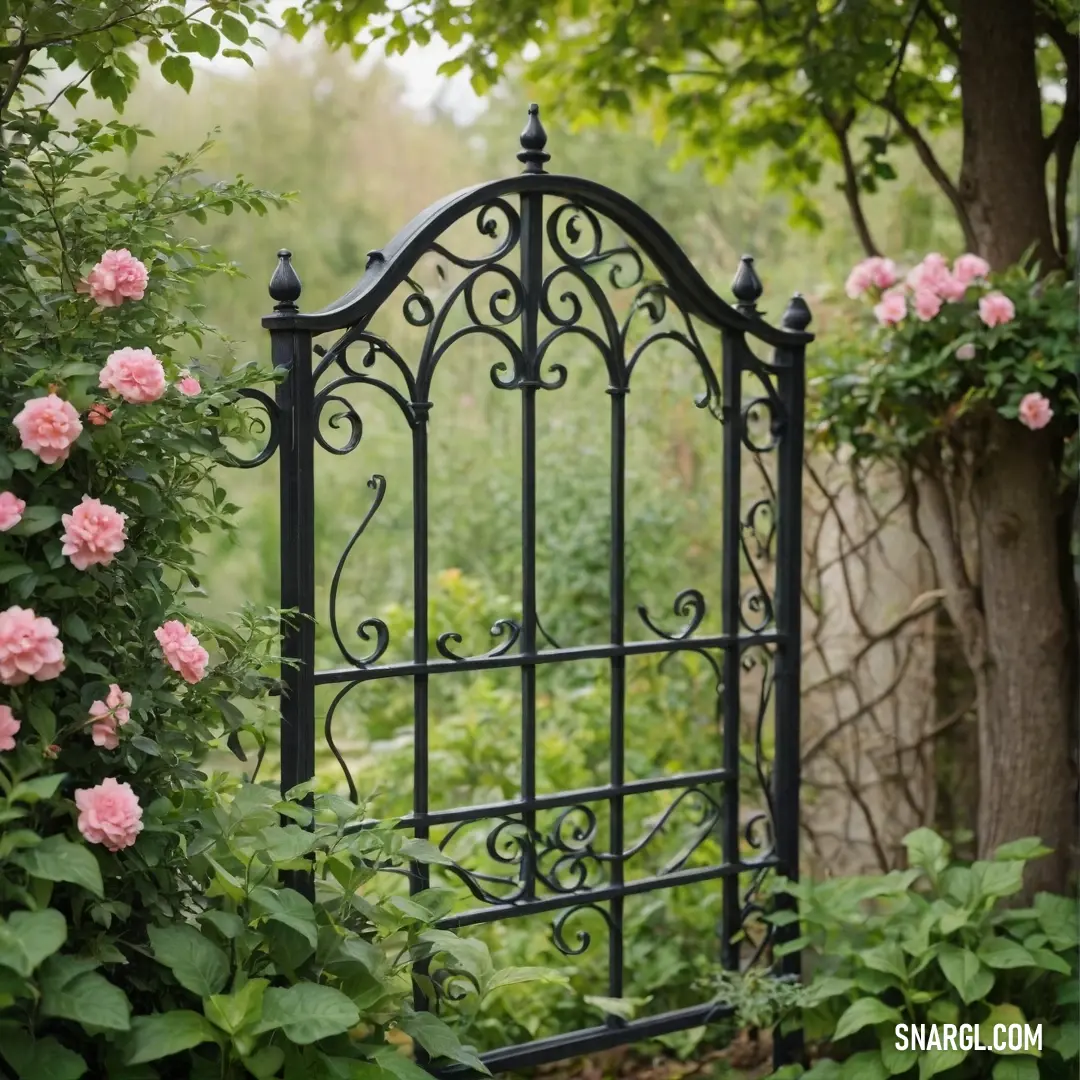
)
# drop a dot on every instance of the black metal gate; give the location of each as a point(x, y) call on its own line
point(548, 243)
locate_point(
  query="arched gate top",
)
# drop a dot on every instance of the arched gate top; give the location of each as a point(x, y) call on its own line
point(389, 267)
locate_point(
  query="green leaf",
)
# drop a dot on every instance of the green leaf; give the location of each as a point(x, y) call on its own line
point(863, 1013)
point(897, 1062)
point(196, 962)
point(965, 971)
point(1029, 847)
point(265, 1062)
point(231, 1012)
point(439, 1040)
point(887, 957)
point(1059, 917)
point(1016, 1068)
point(234, 29)
point(39, 1059)
point(1000, 1014)
point(1066, 1040)
point(158, 1036)
point(177, 69)
point(997, 879)
point(927, 850)
point(395, 1064)
point(285, 843)
point(70, 992)
point(1050, 961)
point(290, 908)
point(307, 1012)
point(57, 859)
point(1000, 952)
point(207, 39)
point(29, 937)
point(424, 851)
point(514, 976)
point(932, 1062)
point(867, 1065)
point(36, 519)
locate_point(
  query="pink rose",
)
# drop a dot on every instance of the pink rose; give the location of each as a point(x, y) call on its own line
point(927, 304)
point(109, 814)
point(118, 277)
point(950, 287)
point(969, 268)
point(966, 352)
point(1035, 411)
point(188, 385)
point(182, 650)
point(93, 534)
point(929, 274)
point(11, 510)
point(99, 415)
point(48, 426)
point(892, 309)
point(107, 715)
point(9, 727)
point(996, 308)
point(29, 646)
point(876, 272)
point(135, 374)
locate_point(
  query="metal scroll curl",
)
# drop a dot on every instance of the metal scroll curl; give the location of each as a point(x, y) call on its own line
point(756, 612)
point(257, 426)
point(759, 831)
point(508, 845)
point(509, 627)
point(689, 603)
point(368, 626)
point(487, 224)
point(566, 234)
point(584, 938)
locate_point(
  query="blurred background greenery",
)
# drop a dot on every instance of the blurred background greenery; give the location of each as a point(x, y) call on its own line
point(362, 163)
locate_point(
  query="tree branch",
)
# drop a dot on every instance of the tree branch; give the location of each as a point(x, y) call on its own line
point(839, 128)
point(945, 35)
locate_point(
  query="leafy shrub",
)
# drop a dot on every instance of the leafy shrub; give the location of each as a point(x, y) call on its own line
point(937, 944)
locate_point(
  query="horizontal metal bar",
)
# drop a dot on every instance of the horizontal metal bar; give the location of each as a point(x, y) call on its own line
point(590, 1040)
point(480, 811)
point(495, 912)
point(542, 656)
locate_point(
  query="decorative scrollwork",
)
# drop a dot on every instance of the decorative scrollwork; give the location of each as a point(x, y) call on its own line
point(328, 735)
point(257, 425)
point(501, 626)
point(507, 844)
point(690, 603)
point(627, 268)
point(758, 831)
point(382, 633)
point(487, 224)
point(347, 414)
point(770, 402)
point(708, 816)
point(571, 842)
point(755, 604)
point(584, 938)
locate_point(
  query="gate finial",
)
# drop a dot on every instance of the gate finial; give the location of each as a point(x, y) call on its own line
point(285, 285)
point(747, 286)
point(797, 314)
point(533, 140)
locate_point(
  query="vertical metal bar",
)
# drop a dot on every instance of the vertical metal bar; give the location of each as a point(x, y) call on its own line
point(788, 607)
point(617, 731)
point(532, 272)
point(291, 349)
point(731, 389)
point(419, 874)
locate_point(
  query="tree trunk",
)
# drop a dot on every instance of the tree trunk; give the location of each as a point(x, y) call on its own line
point(1025, 776)
point(1003, 175)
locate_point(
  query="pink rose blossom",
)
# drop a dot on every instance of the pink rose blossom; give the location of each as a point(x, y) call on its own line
point(29, 646)
point(48, 426)
point(93, 533)
point(996, 308)
point(874, 272)
point(9, 728)
point(11, 510)
point(107, 715)
point(1035, 411)
point(109, 814)
point(950, 287)
point(118, 277)
point(969, 268)
point(929, 274)
point(892, 309)
point(99, 414)
point(188, 385)
point(135, 374)
point(966, 352)
point(927, 304)
point(182, 650)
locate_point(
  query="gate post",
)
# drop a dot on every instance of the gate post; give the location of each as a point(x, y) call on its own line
point(786, 763)
point(290, 349)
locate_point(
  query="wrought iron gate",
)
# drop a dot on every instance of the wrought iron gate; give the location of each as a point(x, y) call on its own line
point(548, 240)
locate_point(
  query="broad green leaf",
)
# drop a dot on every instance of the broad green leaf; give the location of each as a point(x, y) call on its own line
point(267, 1060)
point(887, 957)
point(867, 1065)
point(927, 850)
point(307, 1012)
point(1050, 961)
point(1029, 847)
point(39, 1059)
point(282, 844)
point(932, 1062)
point(512, 976)
point(998, 879)
point(88, 998)
point(57, 859)
point(897, 1062)
point(177, 69)
point(196, 962)
point(439, 1040)
point(231, 1012)
point(158, 1036)
point(396, 1064)
point(1001, 952)
point(290, 908)
point(821, 989)
point(424, 851)
point(36, 519)
point(1001, 1014)
point(972, 979)
point(1016, 1068)
point(29, 937)
point(1066, 1040)
point(624, 1008)
point(863, 1013)
point(1059, 917)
